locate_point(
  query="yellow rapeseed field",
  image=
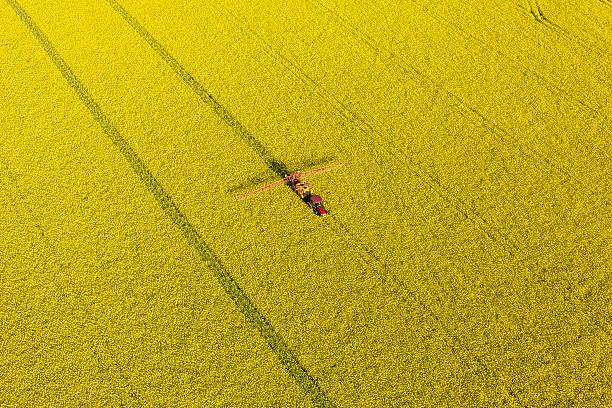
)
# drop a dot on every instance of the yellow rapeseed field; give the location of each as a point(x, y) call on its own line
point(465, 260)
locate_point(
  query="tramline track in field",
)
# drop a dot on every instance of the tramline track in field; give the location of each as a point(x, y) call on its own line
point(274, 340)
point(239, 129)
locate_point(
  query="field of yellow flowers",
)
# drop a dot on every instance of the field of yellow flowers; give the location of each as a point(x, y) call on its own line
point(466, 257)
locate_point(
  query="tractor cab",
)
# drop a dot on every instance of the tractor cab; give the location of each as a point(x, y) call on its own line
point(316, 199)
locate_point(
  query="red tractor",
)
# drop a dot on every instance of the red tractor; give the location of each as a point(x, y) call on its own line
point(303, 190)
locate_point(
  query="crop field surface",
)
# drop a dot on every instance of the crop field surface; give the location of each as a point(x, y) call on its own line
point(466, 257)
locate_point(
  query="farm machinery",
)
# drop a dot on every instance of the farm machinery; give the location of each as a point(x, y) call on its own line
point(303, 190)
